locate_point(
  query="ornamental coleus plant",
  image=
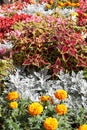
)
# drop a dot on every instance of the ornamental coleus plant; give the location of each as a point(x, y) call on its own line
point(45, 42)
point(82, 13)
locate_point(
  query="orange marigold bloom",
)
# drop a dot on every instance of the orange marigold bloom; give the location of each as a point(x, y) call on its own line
point(67, 3)
point(60, 94)
point(46, 98)
point(83, 127)
point(61, 109)
point(13, 105)
point(77, 4)
point(73, 4)
point(35, 108)
point(51, 123)
point(51, 2)
point(12, 96)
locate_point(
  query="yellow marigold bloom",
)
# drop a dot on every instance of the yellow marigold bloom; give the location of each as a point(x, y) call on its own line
point(61, 4)
point(13, 105)
point(51, 123)
point(60, 94)
point(46, 98)
point(48, 6)
point(61, 109)
point(35, 108)
point(83, 127)
point(12, 96)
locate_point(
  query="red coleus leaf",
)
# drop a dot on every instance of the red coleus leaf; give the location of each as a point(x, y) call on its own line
point(39, 61)
point(56, 66)
point(64, 49)
point(65, 57)
point(57, 62)
point(82, 61)
point(72, 51)
point(36, 60)
point(28, 61)
point(55, 71)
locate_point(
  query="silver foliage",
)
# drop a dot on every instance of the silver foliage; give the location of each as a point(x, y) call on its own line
point(34, 84)
point(38, 8)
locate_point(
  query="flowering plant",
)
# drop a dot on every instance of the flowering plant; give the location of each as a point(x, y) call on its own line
point(18, 113)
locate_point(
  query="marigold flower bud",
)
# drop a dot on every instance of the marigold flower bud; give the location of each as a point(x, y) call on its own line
point(12, 96)
point(13, 105)
point(61, 94)
point(46, 98)
point(35, 108)
point(83, 127)
point(61, 109)
point(51, 123)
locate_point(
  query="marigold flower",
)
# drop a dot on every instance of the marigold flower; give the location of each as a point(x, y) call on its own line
point(46, 98)
point(73, 4)
point(35, 108)
point(77, 4)
point(12, 96)
point(60, 94)
point(61, 4)
point(51, 2)
point(13, 105)
point(83, 127)
point(67, 3)
point(51, 123)
point(61, 109)
point(48, 6)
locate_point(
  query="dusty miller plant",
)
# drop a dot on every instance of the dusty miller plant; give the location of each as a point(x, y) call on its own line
point(34, 84)
point(76, 86)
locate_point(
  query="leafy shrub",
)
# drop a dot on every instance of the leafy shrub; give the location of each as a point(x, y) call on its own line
point(5, 67)
point(46, 42)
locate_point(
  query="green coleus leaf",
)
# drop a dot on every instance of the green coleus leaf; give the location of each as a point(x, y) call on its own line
point(84, 49)
point(18, 26)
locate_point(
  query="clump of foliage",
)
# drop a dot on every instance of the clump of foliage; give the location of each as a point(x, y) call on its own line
point(45, 42)
point(5, 67)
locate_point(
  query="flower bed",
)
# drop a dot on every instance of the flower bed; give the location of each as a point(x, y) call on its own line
point(43, 65)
